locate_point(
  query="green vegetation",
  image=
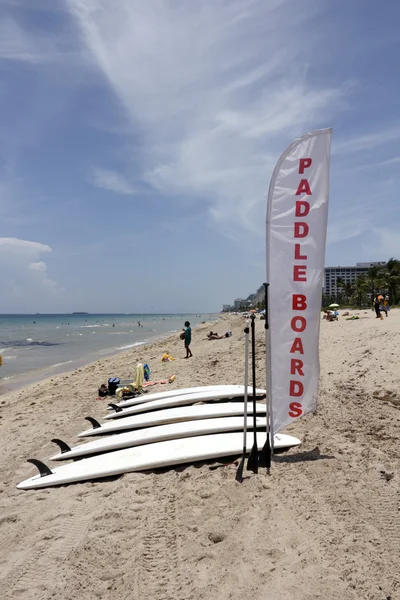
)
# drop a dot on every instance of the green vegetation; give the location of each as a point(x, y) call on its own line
point(383, 280)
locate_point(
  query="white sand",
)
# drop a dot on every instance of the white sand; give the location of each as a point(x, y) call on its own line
point(324, 525)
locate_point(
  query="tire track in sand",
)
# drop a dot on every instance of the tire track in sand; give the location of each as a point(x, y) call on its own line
point(158, 577)
point(44, 564)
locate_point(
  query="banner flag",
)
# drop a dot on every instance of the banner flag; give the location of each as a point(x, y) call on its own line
point(297, 216)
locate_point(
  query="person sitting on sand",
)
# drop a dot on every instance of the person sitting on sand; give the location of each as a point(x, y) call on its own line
point(331, 315)
point(215, 336)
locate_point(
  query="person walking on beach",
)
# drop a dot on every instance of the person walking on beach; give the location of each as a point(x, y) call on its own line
point(385, 305)
point(188, 338)
point(376, 306)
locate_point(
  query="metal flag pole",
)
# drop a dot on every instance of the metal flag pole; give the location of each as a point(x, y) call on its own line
point(265, 456)
point(252, 463)
point(239, 472)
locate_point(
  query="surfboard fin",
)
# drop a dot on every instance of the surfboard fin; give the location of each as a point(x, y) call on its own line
point(115, 407)
point(93, 421)
point(62, 445)
point(43, 469)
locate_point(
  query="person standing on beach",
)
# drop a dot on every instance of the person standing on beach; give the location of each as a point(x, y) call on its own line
point(376, 306)
point(385, 305)
point(188, 339)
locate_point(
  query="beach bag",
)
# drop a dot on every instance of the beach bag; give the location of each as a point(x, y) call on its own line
point(146, 370)
point(112, 385)
point(103, 390)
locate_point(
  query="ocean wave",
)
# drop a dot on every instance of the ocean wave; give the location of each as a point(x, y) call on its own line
point(27, 343)
point(131, 346)
point(61, 364)
point(119, 332)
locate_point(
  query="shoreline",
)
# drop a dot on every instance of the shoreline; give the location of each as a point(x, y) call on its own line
point(29, 378)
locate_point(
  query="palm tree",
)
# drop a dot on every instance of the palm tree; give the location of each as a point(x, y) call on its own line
point(375, 278)
point(346, 286)
point(362, 287)
point(392, 279)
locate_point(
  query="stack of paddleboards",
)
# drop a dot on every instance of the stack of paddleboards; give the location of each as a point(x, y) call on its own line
point(159, 430)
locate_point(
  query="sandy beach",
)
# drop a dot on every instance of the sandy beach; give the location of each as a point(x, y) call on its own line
point(324, 525)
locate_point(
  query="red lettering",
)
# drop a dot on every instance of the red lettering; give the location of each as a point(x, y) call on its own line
point(296, 365)
point(296, 410)
point(300, 233)
point(303, 188)
point(299, 302)
point(296, 388)
point(297, 346)
point(297, 254)
point(296, 327)
point(305, 163)
point(300, 273)
point(302, 208)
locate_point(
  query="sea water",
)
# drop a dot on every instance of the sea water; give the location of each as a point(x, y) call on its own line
point(34, 347)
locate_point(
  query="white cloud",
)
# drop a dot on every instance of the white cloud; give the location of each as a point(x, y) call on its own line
point(24, 277)
point(38, 266)
point(214, 90)
point(110, 180)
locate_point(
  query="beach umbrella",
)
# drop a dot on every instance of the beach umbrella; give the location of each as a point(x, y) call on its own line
point(334, 306)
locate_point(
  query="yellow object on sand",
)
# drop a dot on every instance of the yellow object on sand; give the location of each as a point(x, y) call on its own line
point(137, 385)
point(139, 377)
point(166, 357)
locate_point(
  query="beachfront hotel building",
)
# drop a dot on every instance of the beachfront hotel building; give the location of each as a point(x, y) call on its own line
point(348, 274)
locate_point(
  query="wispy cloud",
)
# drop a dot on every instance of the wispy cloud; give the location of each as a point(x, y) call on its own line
point(110, 180)
point(368, 141)
point(211, 119)
point(38, 46)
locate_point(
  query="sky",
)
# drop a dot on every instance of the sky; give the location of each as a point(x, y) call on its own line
point(138, 140)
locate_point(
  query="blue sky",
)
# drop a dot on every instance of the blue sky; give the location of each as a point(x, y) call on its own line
point(138, 140)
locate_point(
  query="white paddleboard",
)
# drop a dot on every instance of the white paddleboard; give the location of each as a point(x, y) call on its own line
point(158, 434)
point(236, 389)
point(179, 401)
point(174, 415)
point(151, 456)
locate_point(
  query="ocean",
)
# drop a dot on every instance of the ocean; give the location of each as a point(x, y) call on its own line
point(34, 347)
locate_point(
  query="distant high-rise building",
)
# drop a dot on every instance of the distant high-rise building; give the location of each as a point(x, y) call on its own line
point(241, 303)
point(348, 274)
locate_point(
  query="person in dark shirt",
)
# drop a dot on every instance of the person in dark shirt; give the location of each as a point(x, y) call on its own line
point(188, 339)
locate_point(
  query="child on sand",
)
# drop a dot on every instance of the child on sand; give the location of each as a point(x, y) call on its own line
point(188, 339)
